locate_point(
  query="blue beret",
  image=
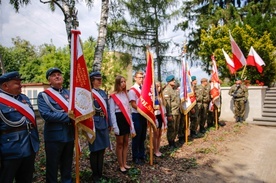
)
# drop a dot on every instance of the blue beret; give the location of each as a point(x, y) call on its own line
point(193, 78)
point(10, 76)
point(95, 74)
point(237, 78)
point(52, 70)
point(170, 78)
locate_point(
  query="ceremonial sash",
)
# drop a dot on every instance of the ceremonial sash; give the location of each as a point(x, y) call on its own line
point(58, 98)
point(136, 91)
point(101, 102)
point(25, 110)
point(122, 108)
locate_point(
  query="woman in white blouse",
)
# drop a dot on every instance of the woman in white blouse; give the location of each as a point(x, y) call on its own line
point(121, 120)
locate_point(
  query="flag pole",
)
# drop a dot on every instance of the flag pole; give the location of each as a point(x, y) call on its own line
point(186, 129)
point(244, 68)
point(151, 149)
point(77, 155)
point(216, 116)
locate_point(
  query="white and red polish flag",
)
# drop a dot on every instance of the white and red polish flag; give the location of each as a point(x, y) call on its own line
point(80, 104)
point(215, 86)
point(187, 96)
point(230, 63)
point(238, 57)
point(254, 59)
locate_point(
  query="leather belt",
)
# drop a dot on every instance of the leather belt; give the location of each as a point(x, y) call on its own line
point(28, 126)
point(99, 113)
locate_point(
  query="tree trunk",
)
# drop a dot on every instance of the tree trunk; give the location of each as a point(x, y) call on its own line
point(102, 37)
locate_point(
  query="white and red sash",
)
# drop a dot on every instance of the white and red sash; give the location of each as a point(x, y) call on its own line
point(58, 98)
point(100, 101)
point(122, 108)
point(138, 93)
point(24, 109)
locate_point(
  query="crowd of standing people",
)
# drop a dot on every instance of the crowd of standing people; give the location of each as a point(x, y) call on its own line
point(19, 134)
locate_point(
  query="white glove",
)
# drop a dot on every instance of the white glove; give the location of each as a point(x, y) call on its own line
point(116, 131)
point(133, 132)
point(156, 123)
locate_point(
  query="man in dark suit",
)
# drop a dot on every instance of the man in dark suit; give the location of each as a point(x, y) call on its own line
point(19, 140)
point(58, 128)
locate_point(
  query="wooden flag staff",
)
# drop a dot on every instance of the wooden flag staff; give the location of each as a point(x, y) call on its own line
point(77, 151)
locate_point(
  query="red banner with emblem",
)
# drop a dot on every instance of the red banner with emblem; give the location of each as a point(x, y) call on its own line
point(81, 101)
point(145, 104)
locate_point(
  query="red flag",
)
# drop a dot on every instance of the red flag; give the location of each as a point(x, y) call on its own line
point(230, 63)
point(238, 57)
point(215, 85)
point(254, 59)
point(145, 103)
point(187, 96)
point(81, 101)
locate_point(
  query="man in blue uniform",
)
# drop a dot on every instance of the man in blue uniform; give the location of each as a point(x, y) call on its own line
point(19, 140)
point(102, 125)
point(58, 128)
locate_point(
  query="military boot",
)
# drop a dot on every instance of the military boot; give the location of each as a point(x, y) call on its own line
point(193, 134)
point(171, 145)
point(174, 145)
point(181, 140)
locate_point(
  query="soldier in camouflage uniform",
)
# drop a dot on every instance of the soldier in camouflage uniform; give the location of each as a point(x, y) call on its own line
point(194, 112)
point(172, 99)
point(239, 92)
point(203, 100)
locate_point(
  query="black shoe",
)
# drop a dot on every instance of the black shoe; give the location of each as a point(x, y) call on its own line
point(237, 119)
point(123, 171)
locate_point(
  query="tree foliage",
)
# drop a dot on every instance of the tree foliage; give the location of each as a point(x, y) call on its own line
point(136, 24)
point(200, 15)
point(33, 62)
point(217, 37)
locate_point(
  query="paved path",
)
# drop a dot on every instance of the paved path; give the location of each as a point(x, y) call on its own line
point(252, 158)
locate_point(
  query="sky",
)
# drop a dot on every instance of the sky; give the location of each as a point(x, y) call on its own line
point(38, 24)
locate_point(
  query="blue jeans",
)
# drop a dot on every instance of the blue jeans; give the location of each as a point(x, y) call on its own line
point(138, 142)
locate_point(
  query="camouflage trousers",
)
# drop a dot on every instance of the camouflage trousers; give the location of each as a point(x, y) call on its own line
point(173, 127)
point(182, 126)
point(211, 119)
point(202, 114)
point(193, 114)
point(239, 108)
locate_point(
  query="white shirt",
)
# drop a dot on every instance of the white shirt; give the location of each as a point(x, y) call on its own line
point(115, 108)
point(133, 97)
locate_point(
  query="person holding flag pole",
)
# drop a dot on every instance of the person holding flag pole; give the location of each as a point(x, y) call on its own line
point(81, 101)
point(214, 106)
point(58, 128)
point(145, 104)
point(140, 122)
point(187, 96)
